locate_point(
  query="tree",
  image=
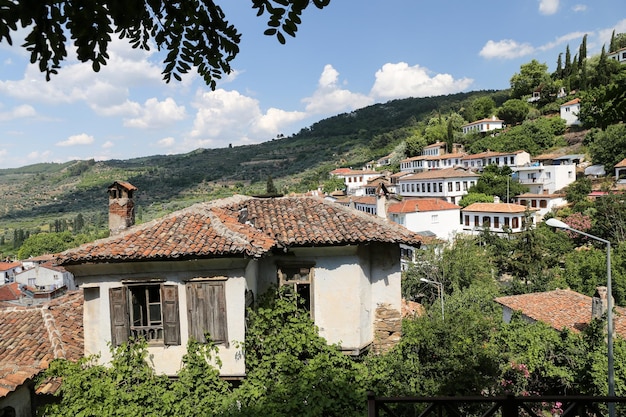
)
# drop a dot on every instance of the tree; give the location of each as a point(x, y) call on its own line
point(195, 33)
point(578, 190)
point(497, 181)
point(414, 145)
point(608, 147)
point(513, 111)
point(333, 184)
point(270, 188)
point(42, 243)
point(471, 198)
point(531, 76)
point(605, 104)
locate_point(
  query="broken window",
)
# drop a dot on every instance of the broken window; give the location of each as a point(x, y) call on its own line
point(299, 277)
point(148, 311)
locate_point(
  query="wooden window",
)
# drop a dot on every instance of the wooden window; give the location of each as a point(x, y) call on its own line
point(476, 221)
point(148, 311)
point(515, 223)
point(300, 278)
point(496, 222)
point(466, 220)
point(206, 311)
point(543, 203)
point(506, 222)
point(450, 187)
point(486, 221)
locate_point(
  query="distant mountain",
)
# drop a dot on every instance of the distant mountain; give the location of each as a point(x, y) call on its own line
point(35, 195)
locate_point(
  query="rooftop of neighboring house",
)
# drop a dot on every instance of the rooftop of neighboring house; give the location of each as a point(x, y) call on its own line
point(350, 171)
point(31, 337)
point(571, 102)
point(496, 208)
point(486, 120)
point(7, 266)
point(241, 226)
point(414, 205)
point(534, 195)
point(10, 292)
point(442, 174)
point(621, 164)
point(435, 157)
point(560, 309)
point(490, 154)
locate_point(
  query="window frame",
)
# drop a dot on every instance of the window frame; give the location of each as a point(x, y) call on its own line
point(207, 309)
point(281, 274)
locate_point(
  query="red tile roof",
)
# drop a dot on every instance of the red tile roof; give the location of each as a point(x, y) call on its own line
point(241, 226)
point(421, 204)
point(621, 164)
point(10, 292)
point(496, 208)
point(489, 154)
point(560, 309)
point(569, 103)
point(32, 337)
point(441, 174)
point(5, 266)
point(124, 184)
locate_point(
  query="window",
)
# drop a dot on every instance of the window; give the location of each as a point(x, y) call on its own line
point(506, 222)
point(441, 187)
point(466, 220)
point(515, 223)
point(458, 185)
point(148, 311)
point(533, 203)
point(428, 187)
point(543, 203)
point(300, 278)
point(486, 221)
point(434, 218)
point(496, 222)
point(476, 224)
point(464, 185)
point(449, 187)
point(206, 310)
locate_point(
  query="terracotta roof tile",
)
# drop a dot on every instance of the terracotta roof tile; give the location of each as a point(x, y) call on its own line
point(441, 173)
point(569, 103)
point(621, 164)
point(10, 292)
point(241, 226)
point(496, 208)
point(560, 309)
point(5, 266)
point(489, 154)
point(30, 338)
point(421, 204)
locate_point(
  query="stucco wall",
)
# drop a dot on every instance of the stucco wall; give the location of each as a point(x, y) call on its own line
point(166, 359)
point(20, 401)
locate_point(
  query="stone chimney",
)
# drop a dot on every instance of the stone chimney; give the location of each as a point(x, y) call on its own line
point(599, 303)
point(121, 206)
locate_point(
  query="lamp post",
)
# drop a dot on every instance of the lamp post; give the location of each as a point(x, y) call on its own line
point(439, 286)
point(609, 313)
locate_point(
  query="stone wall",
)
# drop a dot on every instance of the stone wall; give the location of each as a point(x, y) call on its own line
point(387, 328)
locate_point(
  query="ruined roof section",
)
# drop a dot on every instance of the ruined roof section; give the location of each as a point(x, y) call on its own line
point(32, 337)
point(241, 226)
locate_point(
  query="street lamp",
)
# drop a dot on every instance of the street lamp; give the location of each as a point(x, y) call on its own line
point(609, 314)
point(439, 286)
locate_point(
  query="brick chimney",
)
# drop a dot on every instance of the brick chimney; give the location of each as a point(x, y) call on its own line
point(121, 206)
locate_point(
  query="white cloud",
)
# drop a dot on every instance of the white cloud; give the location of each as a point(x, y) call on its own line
point(548, 7)
point(157, 114)
point(82, 139)
point(37, 156)
point(166, 142)
point(108, 144)
point(505, 49)
point(18, 112)
point(579, 8)
point(330, 98)
point(400, 81)
point(562, 40)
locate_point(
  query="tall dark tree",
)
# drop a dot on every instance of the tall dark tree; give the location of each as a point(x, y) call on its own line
point(612, 44)
point(558, 73)
point(270, 188)
point(568, 63)
point(582, 51)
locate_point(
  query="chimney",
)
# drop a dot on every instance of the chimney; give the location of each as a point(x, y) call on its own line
point(121, 206)
point(496, 199)
point(381, 201)
point(599, 303)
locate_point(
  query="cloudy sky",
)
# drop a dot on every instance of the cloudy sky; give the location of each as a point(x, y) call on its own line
point(352, 54)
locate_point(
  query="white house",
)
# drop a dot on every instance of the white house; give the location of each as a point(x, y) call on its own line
point(545, 179)
point(478, 161)
point(46, 277)
point(450, 184)
point(198, 269)
point(8, 270)
point(619, 55)
point(497, 217)
point(434, 156)
point(354, 178)
point(423, 215)
point(483, 125)
point(570, 111)
point(543, 203)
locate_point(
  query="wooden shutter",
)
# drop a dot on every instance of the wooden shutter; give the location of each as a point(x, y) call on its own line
point(120, 326)
point(171, 322)
point(206, 303)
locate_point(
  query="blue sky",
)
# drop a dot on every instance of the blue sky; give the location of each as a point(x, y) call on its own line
point(352, 54)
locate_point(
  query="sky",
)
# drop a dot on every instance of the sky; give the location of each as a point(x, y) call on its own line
point(351, 54)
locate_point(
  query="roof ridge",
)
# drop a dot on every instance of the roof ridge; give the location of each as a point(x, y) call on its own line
point(220, 227)
point(54, 335)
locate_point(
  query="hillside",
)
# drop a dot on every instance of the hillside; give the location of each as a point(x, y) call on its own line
point(36, 195)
